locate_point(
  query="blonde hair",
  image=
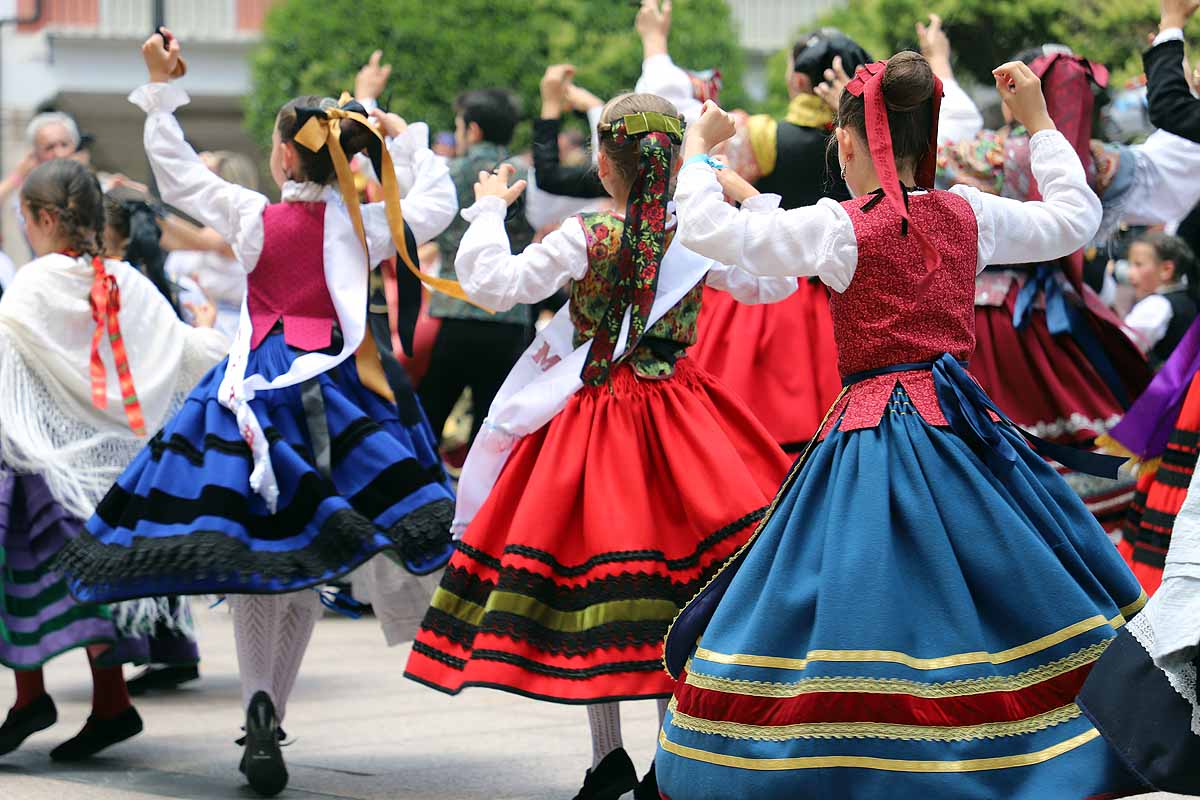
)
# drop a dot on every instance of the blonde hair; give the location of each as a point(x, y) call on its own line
point(235, 168)
point(626, 157)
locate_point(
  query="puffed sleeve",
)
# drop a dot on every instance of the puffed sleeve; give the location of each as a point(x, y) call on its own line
point(816, 241)
point(494, 277)
point(233, 211)
point(745, 287)
point(1063, 221)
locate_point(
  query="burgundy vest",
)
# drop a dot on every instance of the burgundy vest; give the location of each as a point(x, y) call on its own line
point(885, 316)
point(288, 282)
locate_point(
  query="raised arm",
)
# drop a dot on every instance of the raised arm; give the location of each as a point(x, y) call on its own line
point(804, 242)
point(744, 286)
point(552, 176)
point(1068, 216)
point(660, 75)
point(959, 118)
point(1172, 106)
point(430, 202)
point(233, 211)
point(486, 266)
point(1063, 221)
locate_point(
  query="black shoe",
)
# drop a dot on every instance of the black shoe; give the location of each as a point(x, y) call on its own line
point(98, 734)
point(22, 723)
point(161, 679)
point(242, 743)
point(648, 788)
point(262, 760)
point(611, 778)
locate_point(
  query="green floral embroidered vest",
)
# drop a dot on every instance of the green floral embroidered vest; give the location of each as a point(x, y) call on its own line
point(666, 341)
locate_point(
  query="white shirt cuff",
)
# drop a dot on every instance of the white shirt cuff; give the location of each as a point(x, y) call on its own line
point(1168, 35)
point(414, 139)
point(159, 97)
point(485, 205)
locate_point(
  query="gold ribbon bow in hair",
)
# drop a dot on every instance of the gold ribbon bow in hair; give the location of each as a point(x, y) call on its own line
point(326, 131)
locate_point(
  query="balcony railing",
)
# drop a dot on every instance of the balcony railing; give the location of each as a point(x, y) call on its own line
point(194, 20)
point(773, 24)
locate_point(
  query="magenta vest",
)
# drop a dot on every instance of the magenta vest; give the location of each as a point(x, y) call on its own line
point(288, 282)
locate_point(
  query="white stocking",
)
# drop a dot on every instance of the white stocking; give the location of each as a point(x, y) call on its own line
point(256, 621)
point(605, 722)
point(301, 612)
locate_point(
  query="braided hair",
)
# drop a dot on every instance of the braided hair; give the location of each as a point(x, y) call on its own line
point(68, 191)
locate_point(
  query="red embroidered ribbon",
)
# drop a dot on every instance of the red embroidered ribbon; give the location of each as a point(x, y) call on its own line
point(868, 84)
point(643, 242)
point(106, 305)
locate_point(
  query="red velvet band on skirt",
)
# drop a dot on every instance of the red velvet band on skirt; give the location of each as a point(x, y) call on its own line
point(780, 358)
point(601, 526)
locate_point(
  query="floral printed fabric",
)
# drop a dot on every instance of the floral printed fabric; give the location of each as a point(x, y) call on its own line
point(643, 241)
point(592, 295)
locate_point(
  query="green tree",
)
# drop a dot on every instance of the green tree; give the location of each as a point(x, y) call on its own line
point(986, 33)
point(438, 49)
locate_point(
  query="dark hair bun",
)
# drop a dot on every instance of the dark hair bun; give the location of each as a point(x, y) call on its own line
point(355, 137)
point(907, 82)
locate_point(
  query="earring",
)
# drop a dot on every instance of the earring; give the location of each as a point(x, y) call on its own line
point(843, 172)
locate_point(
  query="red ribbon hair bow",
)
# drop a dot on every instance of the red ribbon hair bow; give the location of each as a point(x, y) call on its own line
point(868, 84)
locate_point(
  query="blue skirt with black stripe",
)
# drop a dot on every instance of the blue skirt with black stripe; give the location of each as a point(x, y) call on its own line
point(357, 476)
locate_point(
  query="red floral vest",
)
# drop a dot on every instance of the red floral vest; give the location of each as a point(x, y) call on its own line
point(883, 318)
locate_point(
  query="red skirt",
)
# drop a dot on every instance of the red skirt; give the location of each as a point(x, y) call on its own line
point(1049, 387)
point(1042, 380)
point(603, 524)
point(780, 358)
point(1160, 495)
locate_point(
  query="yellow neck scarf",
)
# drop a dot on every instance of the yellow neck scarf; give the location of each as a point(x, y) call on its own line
point(809, 111)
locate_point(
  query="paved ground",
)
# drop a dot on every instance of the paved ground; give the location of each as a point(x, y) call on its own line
point(362, 731)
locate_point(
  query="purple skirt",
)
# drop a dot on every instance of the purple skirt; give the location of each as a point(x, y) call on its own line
point(38, 616)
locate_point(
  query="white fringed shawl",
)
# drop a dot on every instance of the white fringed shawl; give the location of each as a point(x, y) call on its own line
point(48, 424)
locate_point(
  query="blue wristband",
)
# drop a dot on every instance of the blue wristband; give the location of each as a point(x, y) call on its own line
point(705, 158)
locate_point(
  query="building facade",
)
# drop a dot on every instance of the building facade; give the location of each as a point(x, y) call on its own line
point(80, 56)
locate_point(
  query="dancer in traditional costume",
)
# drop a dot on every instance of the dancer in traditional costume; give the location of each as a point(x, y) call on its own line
point(91, 358)
point(926, 595)
point(1050, 353)
point(166, 641)
point(743, 345)
point(613, 475)
point(288, 466)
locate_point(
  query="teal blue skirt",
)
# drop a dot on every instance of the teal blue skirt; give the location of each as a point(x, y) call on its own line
point(908, 623)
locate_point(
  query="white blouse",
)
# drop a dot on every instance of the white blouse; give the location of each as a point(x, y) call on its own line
point(819, 240)
point(496, 278)
point(1149, 319)
point(235, 212)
